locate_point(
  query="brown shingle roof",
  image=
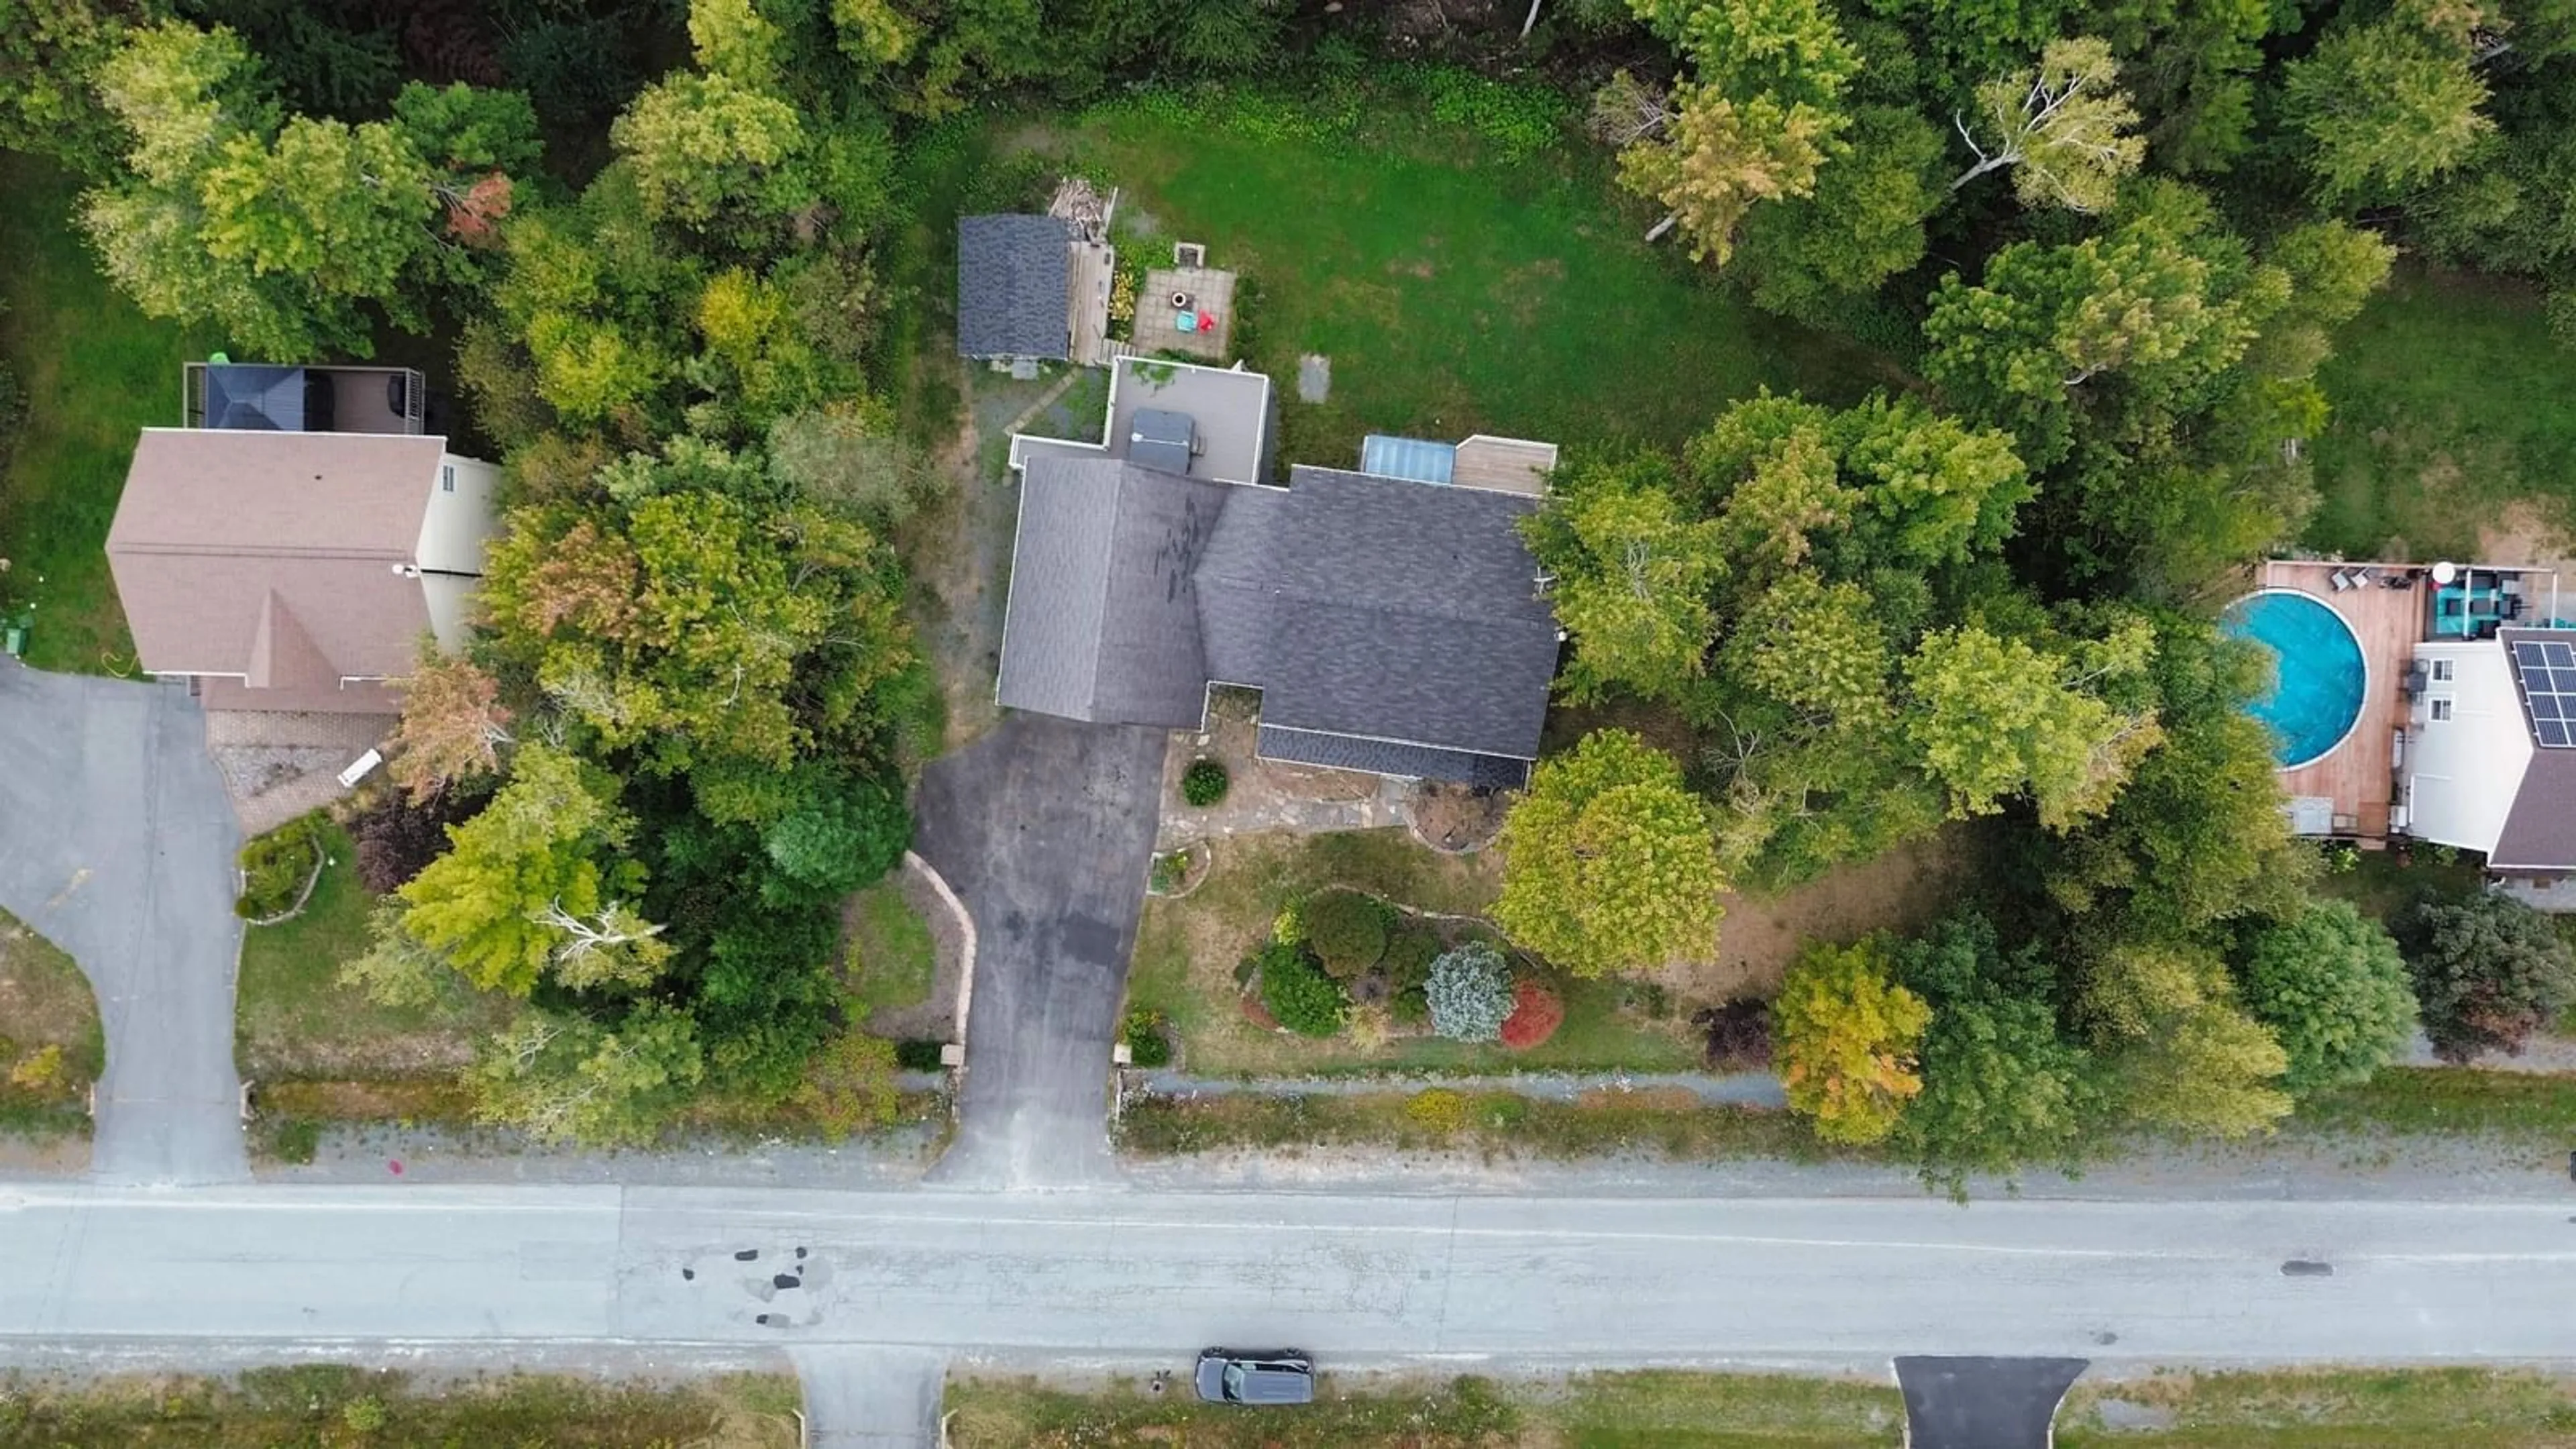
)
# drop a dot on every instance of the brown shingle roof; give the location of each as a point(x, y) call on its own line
point(274, 556)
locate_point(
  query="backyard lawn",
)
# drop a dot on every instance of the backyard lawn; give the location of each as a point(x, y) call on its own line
point(94, 370)
point(1453, 289)
point(51, 1048)
point(1189, 948)
point(295, 1019)
point(2451, 400)
point(891, 960)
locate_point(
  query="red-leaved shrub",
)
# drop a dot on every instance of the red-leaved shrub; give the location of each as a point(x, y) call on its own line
point(1536, 1014)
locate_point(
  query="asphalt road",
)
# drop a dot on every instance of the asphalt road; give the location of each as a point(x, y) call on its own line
point(1043, 828)
point(1118, 1275)
point(116, 843)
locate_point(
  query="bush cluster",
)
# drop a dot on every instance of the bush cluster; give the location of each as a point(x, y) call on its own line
point(275, 866)
point(1203, 783)
point(1148, 1036)
point(1536, 1014)
point(1297, 993)
point(1409, 954)
point(1441, 1109)
point(1346, 930)
point(398, 837)
point(919, 1054)
point(1469, 993)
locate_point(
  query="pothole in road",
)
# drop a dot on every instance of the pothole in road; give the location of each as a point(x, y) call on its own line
point(2306, 1268)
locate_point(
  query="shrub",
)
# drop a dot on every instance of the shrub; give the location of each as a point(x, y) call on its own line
point(1370, 1026)
point(1469, 993)
point(364, 1415)
point(2332, 988)
point(2488, 972)
point(275, 867)
point(920, 1054)
point(41, 1071)
point(1536, 1014)
point(1203, 783)
point(1297, 993)
point(1346, 930)
point(1170, 869)
point(1738, 1035)
point(1148, 1037)
point(1438, 1108)
point(397, 839)
point(1409, 954)
point(849, 1085)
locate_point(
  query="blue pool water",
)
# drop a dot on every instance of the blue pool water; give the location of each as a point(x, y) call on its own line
point(2318, 690)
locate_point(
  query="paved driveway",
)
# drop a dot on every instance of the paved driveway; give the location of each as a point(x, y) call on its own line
point(1043, 828)
point(117, 842)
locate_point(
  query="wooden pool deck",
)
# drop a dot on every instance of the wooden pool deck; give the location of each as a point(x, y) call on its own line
point(2357, 775)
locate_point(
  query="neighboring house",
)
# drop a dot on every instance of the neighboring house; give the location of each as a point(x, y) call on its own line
point(2453, 724)
point(1032, 289)
point(1393, 625)
point(280, 570)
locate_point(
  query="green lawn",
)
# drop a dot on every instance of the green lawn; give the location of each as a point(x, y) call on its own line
point(2456, 1408)
point(51, 1047)
point(94, 370)
point(295, 1019)
point(1187, 951)
point(332, 1404)
point(1454, 291)
point(2532, 1109)
point(2450, 400)
point(891, 960)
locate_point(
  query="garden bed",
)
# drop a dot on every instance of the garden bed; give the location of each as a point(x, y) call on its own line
point(1191, 953)
point(51, 1047)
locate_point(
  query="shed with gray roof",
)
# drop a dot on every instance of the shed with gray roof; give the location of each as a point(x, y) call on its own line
point(1014, 287)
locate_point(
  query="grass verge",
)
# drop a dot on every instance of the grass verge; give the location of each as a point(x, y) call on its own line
point(2457, 1408)
point(51, 1046)
point(2347, 1409)
point(891, 959)
point(333, 1404)
point(94, 370)
point(2450, 400)
point(295, 1020)
point(1666, 1122)
point(2523, 1107)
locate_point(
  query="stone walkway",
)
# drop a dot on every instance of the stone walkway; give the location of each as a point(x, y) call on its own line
point(278, 764)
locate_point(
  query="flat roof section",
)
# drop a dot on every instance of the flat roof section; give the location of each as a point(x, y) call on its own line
point(1230, 409)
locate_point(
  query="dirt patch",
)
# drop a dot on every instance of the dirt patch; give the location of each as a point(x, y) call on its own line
point(393, 1056)
point(958, 548)
point(2528, 531)
point(1903, 889)
point(1264, 795)
point(1457, 818)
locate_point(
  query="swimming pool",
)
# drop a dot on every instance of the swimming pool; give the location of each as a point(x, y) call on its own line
point(2320, 681)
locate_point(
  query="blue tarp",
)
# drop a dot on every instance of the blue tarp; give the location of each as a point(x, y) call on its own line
point(1414, 458)
point(245, 397)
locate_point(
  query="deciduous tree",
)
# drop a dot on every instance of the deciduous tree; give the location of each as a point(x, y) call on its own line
point(1844, 1037)
point(564, 1078)
point(2333, 990)
point(2064, 126)
point(2384, 107)
point(1722, 158)
point(453, 725)
point(1608, 861)
point(1633, 575)
point(703, 146)
point(1995, 717)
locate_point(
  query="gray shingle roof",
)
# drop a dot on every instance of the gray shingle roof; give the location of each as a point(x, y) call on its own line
point(1402, 618)
point(1412, 762)
point(1102, 621)
point(1014, 288)
point(2540, 831)
point(1398, 611)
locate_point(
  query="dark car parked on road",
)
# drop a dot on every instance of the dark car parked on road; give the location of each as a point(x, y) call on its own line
point(1233, 1376)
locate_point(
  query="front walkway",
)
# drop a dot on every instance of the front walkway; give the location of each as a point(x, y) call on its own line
point(116, 843)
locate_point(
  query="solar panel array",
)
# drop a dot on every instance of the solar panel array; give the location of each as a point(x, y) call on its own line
point(2548, 670)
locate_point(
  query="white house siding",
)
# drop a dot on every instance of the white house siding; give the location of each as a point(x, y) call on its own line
point(2462, 773)
point(458, 520)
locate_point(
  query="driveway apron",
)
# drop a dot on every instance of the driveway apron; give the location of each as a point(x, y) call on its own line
point(1044, 828)
point(117, 844)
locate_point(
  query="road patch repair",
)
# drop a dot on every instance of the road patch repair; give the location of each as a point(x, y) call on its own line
point(1983, 1403)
